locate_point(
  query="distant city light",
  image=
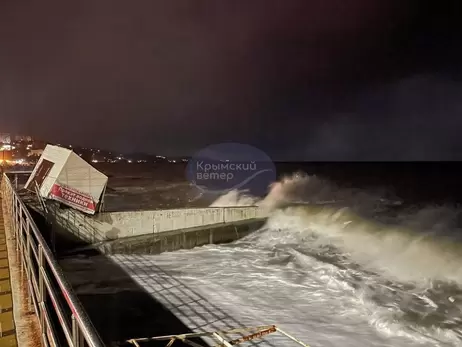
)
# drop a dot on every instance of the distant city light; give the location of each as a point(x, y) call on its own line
point(14, 148)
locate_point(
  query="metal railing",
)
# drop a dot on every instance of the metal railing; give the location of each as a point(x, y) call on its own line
point(221, 336)
point(61, 321)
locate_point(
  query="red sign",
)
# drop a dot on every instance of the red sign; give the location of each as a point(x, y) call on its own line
point(73, 198)
point(256, 335)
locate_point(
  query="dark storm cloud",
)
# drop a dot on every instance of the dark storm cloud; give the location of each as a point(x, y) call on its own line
point(299, 79)
point(416, 118)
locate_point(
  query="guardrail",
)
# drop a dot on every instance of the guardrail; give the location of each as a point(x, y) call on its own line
point(46, 282)
point(221, 336)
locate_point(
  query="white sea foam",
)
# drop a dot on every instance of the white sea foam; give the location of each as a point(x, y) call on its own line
point(331, 266)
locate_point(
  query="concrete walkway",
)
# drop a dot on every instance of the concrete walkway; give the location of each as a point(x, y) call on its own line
point(7, 326)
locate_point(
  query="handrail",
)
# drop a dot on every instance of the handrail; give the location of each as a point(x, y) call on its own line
point(19, 172)
point(221, 336)
point(42, 270)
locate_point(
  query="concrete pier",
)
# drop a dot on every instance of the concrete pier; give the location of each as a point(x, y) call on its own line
point(158, 230)
point(188, 238)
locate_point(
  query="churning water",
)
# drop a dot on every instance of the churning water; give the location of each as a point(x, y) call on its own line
point(332, 266)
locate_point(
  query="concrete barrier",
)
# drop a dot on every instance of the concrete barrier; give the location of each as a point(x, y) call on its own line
point(169, 241)
point(129, 224)
point(153, 231)
point(233, 214)
point(117, 225)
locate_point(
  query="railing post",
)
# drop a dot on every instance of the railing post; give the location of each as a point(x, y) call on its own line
point(18, 235)
point(13, 216)
point(12, 196)
point(29, 262)
point(21, 239)
point(16, 224)
point(10, 201)
point(77, 337)
point(41, 286)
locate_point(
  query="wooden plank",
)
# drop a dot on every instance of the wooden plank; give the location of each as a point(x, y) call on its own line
point(8, 341)
point(7, 325)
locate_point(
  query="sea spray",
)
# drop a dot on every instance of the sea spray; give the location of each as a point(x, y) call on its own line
point(420, 245)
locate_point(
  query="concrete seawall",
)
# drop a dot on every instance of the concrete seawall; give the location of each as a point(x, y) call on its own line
point(182, 239)
point(119, 225)
point(128, 224)
point(152, 232)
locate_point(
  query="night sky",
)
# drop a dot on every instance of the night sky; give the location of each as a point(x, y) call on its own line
point(300, 79)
